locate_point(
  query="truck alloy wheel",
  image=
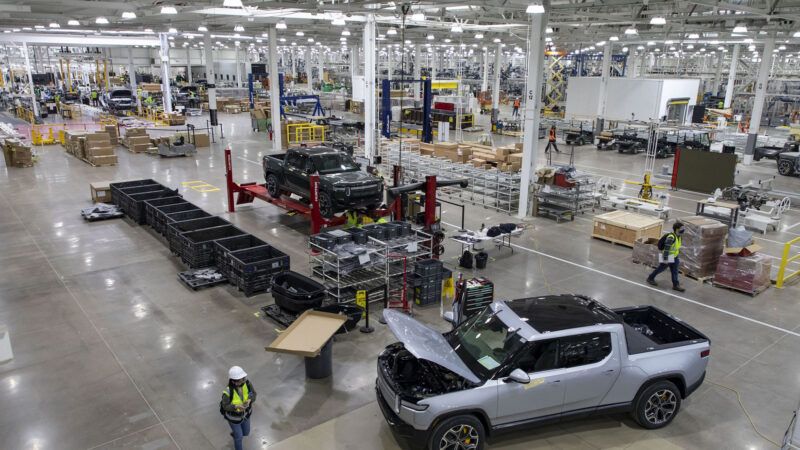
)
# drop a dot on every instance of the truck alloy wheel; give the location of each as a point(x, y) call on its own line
point(785, 167)
point(325, 205)
point(660, 407)
point(458, 433)
point(657, 405)
point(272, 186)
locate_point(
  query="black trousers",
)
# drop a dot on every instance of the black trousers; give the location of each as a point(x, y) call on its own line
point(553, 144)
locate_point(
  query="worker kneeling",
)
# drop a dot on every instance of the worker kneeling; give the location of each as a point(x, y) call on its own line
point(669, 247)
point(237, 404)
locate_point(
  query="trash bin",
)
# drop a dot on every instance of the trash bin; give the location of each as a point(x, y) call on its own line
point(481, 259)
point(320, 366)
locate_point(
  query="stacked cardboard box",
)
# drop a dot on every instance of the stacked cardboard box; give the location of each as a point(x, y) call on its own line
point(744, 269)
point(645, 251)
point(623, 227)
point(175, 119)
point(452, 151)
point(16, 153)
point(232, 108)
point(701, 245)
point(136, 140)
point(500, 157)
point(112, 133)
point(99, 150)
point(75, 143)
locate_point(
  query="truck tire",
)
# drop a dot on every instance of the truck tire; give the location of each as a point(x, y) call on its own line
point(273, 186)
point(459, 432)
point(325, 205)
point(657, 405)
point(786, 167)
point(580, 141)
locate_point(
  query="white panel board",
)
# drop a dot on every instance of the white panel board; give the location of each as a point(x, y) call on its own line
point(358, 88)
point(632, 99)
point(582, 97)
point(674, 89)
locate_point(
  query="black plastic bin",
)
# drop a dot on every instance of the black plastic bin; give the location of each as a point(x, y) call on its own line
point(252, 269)
point(354, 314)
point(480, 260)
point(115, 187)
point(198, 246)
point(183, 215)
point(175, 229)
point(225, 246)
point(133, 204)
point(320, 366)
point(296, 293)
point(150, 205)
point(427, 267)
point(160, 214)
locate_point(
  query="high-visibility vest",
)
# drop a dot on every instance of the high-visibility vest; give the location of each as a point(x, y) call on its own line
point(675, 249)
point(382, 220)
point(352, 218)
point(94, 94)
point(552, 135)
point(237, 401)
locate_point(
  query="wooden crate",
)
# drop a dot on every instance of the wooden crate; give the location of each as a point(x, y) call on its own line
point(623, 227)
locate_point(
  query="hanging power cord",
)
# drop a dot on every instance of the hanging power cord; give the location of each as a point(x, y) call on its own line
point(746, 413)
point(404, 8)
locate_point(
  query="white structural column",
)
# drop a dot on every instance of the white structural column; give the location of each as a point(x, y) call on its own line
point(369, 87)
point(211, 80)
point(133, 83)
point(633, 66)
point(485, 79)
point(434, 62)
point(731, 76)
point(417, 71)
point(496, 87)
point(533, 100)
point(106, 64)
point(320, 73)
point(189, 65)
point(718, 74)
point(238, 52)
point(274, 91)
point(34, 103)
point(758, 103)
point(164, 55)
point(604, 75)
point(294, 66)
point(389, 67)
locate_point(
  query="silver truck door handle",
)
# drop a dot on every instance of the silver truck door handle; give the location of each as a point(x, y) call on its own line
point(556, 381)
point(609, 371)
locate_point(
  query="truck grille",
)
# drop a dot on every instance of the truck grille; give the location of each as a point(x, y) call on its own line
point(391, 398)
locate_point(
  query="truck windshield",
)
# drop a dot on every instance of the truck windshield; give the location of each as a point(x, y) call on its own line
point(484, 343)
point(334, 162)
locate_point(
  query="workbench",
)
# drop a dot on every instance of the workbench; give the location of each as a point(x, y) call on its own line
point(716, 210)
point(469, 239)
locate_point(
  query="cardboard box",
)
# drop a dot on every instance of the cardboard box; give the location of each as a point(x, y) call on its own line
point(307, 334)
point(202, 140)
point(103, 160)
point(623, 227)
point(101, 192)
point(515, 158)
point(139, 148)
point(99, 151)
point(645, 251)
point(98, 137)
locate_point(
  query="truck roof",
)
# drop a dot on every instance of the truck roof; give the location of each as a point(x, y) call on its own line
point(561, 312)
point(311, 151)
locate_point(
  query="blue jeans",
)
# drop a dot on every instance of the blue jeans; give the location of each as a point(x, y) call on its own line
point(240, 430)
point(673, 267)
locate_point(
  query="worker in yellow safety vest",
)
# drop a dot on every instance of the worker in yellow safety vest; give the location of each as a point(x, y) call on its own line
point(149, 101)
point(669, 247)
point(237, 404)
point(357, 219)
point(95, 96)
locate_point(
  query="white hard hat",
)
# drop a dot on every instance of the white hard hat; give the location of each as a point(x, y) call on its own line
point(236, 373)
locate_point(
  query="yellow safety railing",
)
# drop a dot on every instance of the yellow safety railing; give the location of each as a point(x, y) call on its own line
point(297, 133)
point(785, 260)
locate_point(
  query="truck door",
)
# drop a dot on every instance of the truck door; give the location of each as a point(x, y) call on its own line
point(589, 365)
point(294, 171)
point(543, 396)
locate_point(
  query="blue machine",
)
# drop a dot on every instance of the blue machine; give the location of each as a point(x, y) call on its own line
point(386, 107)
point(292, 99)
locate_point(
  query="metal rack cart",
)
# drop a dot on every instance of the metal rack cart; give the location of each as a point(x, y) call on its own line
point(561, 203)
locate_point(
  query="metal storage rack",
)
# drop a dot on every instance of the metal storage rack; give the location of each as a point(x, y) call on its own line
point(488, 188)
point(563, 203)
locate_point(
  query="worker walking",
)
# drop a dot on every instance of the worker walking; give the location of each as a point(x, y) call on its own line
point(551, 140)
point(515, 111)
point(237, 404)
point(669, 247)
point(95, 96)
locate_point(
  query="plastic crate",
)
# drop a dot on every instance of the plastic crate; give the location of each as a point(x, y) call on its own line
point(133, 204)
point(160, 214)
point(427, 267)
point(198, 246)
point(225, 246)
point(360, 236)
point(183, 215)
point(115, 187)
point(175, 229)
point(149, 206)
point(393, 230)
point(252, 285)
point(376, 231)
point(265, 258)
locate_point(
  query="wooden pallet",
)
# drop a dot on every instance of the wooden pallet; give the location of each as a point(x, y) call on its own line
point(612, 240)
point(700, 280)
point(22, 165)
point(97, 165)
point(731, 288)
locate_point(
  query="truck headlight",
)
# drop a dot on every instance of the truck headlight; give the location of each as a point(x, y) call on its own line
point(413, 406)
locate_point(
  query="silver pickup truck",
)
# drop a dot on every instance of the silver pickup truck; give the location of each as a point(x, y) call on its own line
point(535, 360)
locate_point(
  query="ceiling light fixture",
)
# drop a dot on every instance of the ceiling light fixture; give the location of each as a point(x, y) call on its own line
point(456, 28)
point(238, 28)
point(168, 10)
point(391, 31)
point(73, 23)
point(613, 38)
point(55, 25)
point(694, 36)
point(202, 29)
point(447, 41)
point(601, 43)
point(740, 28)
point(430, 37)
point(301, 34)
point(496, 40)
point(101, 21)
point(548, 30)
point(128, 15)
point(232, 4)
point(281, 25)
point(38, 27)
point(418, 16)
point(631, 31)
point(782, 47)
point(479, 35)
point(339, 22)
point(535, 8)
point(650, 43)
point(658, 20)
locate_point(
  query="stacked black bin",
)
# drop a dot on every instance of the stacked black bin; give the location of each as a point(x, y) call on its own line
point(176, 229)
point(197, 247)
point(115, 188)
point(131, 199)
point(150, 206)
point(427, 282)
point(252, 269)
point(162, 213)
point(227, 245)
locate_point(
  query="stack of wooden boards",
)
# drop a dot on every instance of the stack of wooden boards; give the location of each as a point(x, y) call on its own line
point(506, 159)
point(16, 153)
point(95, 148)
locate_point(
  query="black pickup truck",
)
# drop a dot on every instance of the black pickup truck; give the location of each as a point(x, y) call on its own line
point(342, 184)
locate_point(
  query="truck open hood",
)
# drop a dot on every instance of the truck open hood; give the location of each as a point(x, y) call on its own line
point(426, 343)
point(354, 177)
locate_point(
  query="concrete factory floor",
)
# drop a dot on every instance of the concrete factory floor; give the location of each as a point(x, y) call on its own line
point(111, 351)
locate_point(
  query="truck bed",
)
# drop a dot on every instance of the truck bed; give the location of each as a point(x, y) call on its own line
point(648, 328)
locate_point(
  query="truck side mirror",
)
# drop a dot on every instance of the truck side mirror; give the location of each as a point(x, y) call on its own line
point(519, 376)
point(309, 170)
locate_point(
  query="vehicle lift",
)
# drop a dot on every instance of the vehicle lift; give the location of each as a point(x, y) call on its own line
point(386, 108)
point(292, 99)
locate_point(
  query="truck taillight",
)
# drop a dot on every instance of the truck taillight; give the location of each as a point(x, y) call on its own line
point(705, 353)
